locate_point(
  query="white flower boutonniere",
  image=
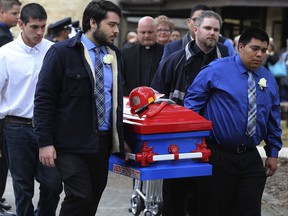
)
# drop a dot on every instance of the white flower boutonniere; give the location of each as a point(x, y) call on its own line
point(262, 83)
point(107, 59)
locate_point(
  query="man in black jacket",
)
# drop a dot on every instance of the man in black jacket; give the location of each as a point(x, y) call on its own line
point(172, 78)
point(177, 45)
point(142, 60)
point(71, 133)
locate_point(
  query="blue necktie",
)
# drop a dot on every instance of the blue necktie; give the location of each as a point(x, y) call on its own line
point(252, 105)
point(99, 88)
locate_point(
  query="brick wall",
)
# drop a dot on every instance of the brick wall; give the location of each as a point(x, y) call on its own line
point(59, 9)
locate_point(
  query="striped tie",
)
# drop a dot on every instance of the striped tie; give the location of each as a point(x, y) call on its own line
point(252, 105)
point(99, 88)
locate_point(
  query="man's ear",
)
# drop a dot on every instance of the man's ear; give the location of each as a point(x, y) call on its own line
point(21, 24)
point(195, 29)
point(240, 47)
point(93, 24)
point(188, 21)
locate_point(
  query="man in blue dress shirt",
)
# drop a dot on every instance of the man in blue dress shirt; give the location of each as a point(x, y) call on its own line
point(172, 79)
point(220, 94)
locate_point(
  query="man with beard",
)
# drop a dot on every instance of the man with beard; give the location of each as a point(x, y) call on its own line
point(78, 113)
point(177, 45)
point(172, 78)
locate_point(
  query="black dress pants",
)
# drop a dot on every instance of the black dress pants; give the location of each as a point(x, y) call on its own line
point(85, 178)
point(236, 185)
point(234, 189)
point(178, 193)
point(3, 163)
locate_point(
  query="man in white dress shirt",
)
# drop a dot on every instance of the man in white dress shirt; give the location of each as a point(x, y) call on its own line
point(21, 61)
point(9, 14)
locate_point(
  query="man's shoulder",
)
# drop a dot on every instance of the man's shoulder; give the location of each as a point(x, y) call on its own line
point(223, 49)
point(44, 45)
point(12, 45)
point(175, 58)
point(115, 49)
point(4, 31)
point(178, 53)
point(159, 46)
point(130, 51)
point(134, 47)
point(46, 42)
point(220, 67)
point(174, 45)
point(64, 46)
point(223, 62)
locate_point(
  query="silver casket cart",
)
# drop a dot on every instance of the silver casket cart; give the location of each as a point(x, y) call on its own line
point(168, 141)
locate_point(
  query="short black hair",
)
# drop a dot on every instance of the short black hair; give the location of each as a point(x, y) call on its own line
point(97, 10)
point(199, 7)
point(32, 11)
point(253, 32)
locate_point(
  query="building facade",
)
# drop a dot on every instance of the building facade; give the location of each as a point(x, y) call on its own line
point(271, 15)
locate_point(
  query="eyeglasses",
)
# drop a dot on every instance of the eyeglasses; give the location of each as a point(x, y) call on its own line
point(163, 30)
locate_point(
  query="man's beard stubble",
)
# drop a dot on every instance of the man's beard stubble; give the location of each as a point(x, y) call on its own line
point(100, 37)
point(210, 43)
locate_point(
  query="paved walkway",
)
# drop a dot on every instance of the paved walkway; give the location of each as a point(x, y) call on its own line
point(116, 198)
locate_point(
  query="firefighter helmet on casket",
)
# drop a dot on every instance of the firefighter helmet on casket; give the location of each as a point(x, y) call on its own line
point(140, 98)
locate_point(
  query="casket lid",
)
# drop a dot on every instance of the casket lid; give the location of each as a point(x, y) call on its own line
point(172, 118)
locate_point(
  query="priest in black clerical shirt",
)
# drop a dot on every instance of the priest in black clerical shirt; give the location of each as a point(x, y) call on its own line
point(141, 60)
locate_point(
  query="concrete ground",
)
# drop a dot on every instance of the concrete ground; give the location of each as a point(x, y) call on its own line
point(116, 198)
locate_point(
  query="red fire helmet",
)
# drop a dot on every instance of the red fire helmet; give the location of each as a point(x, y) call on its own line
point(140, 98)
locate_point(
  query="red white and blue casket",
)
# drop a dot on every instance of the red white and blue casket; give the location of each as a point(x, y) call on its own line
point(168, 141)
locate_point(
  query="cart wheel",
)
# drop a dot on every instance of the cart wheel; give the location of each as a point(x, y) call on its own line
point(148, 213)
point(137, 205)
point(159, 209)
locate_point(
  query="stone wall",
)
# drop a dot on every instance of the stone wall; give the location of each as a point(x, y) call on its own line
point(59, 9)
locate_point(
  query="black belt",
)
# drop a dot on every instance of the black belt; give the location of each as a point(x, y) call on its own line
point(104, 133)
point(19, 120)
point(233, 149)
point(236, 150)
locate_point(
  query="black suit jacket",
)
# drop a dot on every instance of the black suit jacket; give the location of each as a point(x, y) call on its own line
point(5, 35)
point(133, 66)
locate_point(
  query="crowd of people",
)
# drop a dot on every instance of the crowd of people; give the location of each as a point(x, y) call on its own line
point(61, 106)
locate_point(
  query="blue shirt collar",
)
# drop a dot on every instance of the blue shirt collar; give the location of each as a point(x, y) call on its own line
point(90, 45)
point(242, 68)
